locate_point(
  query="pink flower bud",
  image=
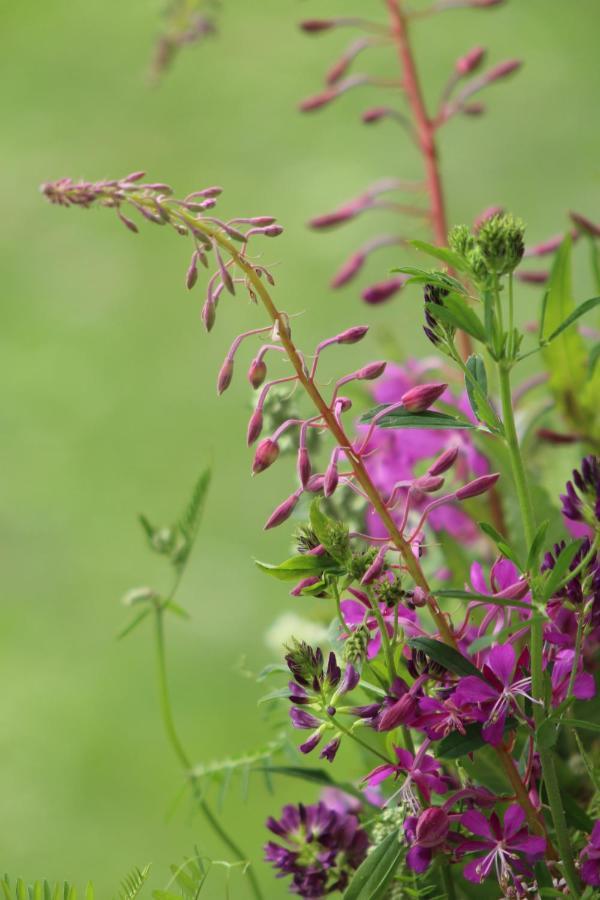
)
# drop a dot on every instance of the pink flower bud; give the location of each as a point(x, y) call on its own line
point(317, 101)
point(419, 597)
point(191, 276)
point(545, 247)
point(585, 224)
point(332, 478)
point(470, 62)
point(383, 290)
point(371, 371)
point(208, 314)
point(337, 217)
point(343, 404)
point(349, 270)
point(266, 454)
point(303, 584)
point(428, 484)
point(283, 512)
point(399, 713)
point(432, 827)
point(127, 222)
point(502, 70)
point(314, 26)
point(420, 398)
point(556, 437)
point(515, 591)
point(352, 335)
point(254, 426)
point(257, 373)
point(303, 466)
point(477, 487)
point(533, 277)
point(315, 484)
point(444, 462)
point(375, 569)
point(473, 109)
point(225, 376)
point(375, 113)
point(272, 230)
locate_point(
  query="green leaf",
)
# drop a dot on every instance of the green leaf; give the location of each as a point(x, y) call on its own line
point(443, 253)
point(565, 357)
point(560, 570)
point(403, 418)
point(446, 656)
point(537, 545)
point(474, 597)
point(455, 311)
point(581, 310)
point(424, 276)
point(546, 735)
point(476, 384)
point(456, 744)
point(486, 640)
point(502, 544)
point(332, 534)
point(132, 884)
point(302, 566)
point(581, 723)
point(576, 817)
point(374, 875)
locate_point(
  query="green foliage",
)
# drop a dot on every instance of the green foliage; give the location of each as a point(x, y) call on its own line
point(132, 884)
point(189, 879)
point(375, 874)
point(403, 418)
point(446, 656)
point(43, 890)
point(220, 773)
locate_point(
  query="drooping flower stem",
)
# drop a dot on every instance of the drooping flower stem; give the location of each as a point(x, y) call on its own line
point(425, 134)
point(182, 756)
point(537, 638)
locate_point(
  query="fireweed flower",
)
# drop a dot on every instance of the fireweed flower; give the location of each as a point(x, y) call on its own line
point(508, 849)
point(426, 835)
point(397, 455)
point(422, 777)
point(318, 846)
point(497, 695)
point(589, 858)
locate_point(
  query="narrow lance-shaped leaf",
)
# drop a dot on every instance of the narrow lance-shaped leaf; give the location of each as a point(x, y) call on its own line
point(372, 879)
point(403, 418)
point(446, 656)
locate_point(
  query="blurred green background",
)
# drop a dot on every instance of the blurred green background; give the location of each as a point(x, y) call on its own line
point(109, 406)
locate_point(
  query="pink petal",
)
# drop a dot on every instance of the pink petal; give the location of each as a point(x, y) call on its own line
point(476, 822)
point(501, 660)
point(513, 820)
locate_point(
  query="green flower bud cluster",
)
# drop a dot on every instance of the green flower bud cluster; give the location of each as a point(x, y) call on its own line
point(358, 564)
point(389, 821)
point(390, 592)
point(355, 647)
point(495, 249)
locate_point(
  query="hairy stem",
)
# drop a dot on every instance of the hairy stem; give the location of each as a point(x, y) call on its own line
point(425, 134)
point(182, 756)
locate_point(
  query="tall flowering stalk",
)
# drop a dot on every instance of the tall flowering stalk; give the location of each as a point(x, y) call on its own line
point(505, 676)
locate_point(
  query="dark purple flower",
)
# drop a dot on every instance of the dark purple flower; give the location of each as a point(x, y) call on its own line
point(320, 848)
point(589, 858)
point(581, 502)
point(497, 693)
point(501, 849)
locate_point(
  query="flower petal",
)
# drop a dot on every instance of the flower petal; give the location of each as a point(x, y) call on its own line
point(477, 823)
point(513, 820)
point(501, 660)
point(418, 858)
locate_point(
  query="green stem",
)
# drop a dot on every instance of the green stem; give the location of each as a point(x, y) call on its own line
point(387, 647)
point(180, 753)
point(360, 741)
point(447, 880)
point(537, 637)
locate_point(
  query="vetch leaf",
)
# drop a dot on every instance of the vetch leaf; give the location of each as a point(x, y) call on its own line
point(446, 656)
point(374, 875)
point(302, 566)
point(501, 543)
point(474, 597)
point(476, 384)
point(537, 545)
point(455, 311)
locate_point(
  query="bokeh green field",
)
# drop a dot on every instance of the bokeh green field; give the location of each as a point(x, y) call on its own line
point(109, 407)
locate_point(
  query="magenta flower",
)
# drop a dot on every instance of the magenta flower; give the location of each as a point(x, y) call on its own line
point(421, 771)
point(426, 834)
point(589, 858)
point(584, 686)
point(497, 693)
point(500, 848)
point(439, 718)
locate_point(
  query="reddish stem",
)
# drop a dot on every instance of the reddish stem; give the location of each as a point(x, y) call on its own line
point(426, 136)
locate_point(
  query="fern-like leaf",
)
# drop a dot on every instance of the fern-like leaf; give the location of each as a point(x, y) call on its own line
point(132, 884)
point(43, 890)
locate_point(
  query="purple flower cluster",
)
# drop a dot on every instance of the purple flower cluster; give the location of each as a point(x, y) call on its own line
point(319, 847)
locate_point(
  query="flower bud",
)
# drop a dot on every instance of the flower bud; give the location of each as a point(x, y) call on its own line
point(420, 398)
point(303, 466)
point(585, 224)
point(317, 101)
point(382, 291)
point(254, 426)
point(374, 570)
point(283, 511)
point(343, 404)
point(191, 275)
point(477, 487)
point(432, 827)
point(428, 484)
point(331, 479)
point(371, 371)
point(375, 113)
point(418, 598)
point(208, 314)
point(398, 714)
point(309, 745)
point(337, 217)
point(314, 26)
point(301, 718)
point(352, 335)
point(329, 750)
point(303, 584)
point(545, 247)
point(315, 484)
point(266, 454)
point(225, 376)
point(257, 373)
point(470, 61)
point(444, 462)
